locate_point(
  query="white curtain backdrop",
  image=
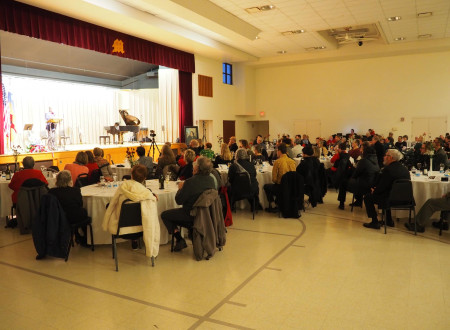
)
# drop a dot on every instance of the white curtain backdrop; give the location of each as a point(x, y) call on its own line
point(168, 103)
point(86, 109)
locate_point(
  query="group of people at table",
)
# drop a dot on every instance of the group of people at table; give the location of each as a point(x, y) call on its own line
point(361, 165)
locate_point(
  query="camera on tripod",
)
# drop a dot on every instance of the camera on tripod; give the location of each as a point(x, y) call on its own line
point(152, 133)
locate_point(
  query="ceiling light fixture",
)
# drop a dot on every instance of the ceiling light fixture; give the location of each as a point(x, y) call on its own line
point(288, 33)
point(400, 39)
point(267, 7)
point(254, 10)
point(424, 36)
point(315, 48)
point(394, 18)
point(257, 37)
point(281, 52)
point(424, 14)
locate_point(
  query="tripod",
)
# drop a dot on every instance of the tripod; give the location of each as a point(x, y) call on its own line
point(153, 145)
point(204, 133)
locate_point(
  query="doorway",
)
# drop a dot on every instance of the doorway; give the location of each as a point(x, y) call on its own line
point(229, 130)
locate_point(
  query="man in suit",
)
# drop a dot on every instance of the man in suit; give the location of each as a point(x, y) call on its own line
point(392, 171)
point(379, 149)
point(440, 156)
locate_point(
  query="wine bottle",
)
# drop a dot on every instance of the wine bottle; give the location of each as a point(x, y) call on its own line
point(161, 181)
point(8, 172)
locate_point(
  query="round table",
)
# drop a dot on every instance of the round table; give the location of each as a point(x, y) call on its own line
point(120, 171)
point(425, 188)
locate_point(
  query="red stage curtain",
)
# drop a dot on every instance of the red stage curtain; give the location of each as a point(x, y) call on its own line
point(186, 111)
point(42, 24)
point(2, 143)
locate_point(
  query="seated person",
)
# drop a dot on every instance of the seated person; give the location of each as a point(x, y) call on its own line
point(356, 150)
point(340, 172)
point(91, 164)
point(422, 159)
point(242, 164)
point(232, 144)
point(103, 164)
point(309, 170)
point(187, 195)
point(281, 166)
point(71, 201)
point(135, 190)
point(225, 156)
point(399, 144)
point(185, 172)
point(165, 158)
point(258, 156)
point(207, 152)
point(426, 211)
point(145, 160)
point(78, 166)
point(440, 156)
point(392, 171)
point(297, 149)
point(27, 173)
point(243, 144)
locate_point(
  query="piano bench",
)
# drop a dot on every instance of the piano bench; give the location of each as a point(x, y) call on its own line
point(104, 137)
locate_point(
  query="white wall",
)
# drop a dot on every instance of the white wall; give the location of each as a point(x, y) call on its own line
point(360, 94)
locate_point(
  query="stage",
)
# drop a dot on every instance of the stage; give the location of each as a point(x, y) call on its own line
point(66, 154)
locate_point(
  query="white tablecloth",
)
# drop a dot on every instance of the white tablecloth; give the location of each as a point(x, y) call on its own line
point(262, 178)
point(95, 199)
point(5, 196)
point(120, 171)
point(425, 188)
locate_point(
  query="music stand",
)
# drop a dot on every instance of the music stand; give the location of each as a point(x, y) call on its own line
point(28, 127)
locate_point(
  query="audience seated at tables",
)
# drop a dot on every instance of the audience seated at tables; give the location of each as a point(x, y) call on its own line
point(166, 158)
point(447, 143)
point(27, 173)
point(232, 144)
point(103, 164)
point(440, 156)
point(309, 170)
point(400, 144)
point(260, 141)
point(243, 144)
point(78, 167)
point(136, 191)
point(364, 175)
point(426, 211)
point(355, 152)
point(242, 164)
point(185, 171)
point(422, 159)
point(71, 201)
point(297, 149)
point(305, 140)
point(91, 164)
point(225, 156)
point(379, 149)
point(207, 152)
point(281, 166)
point(188, 193)
point(147, 161)
point(257, 155)
point(288, 142)
point(393, 170)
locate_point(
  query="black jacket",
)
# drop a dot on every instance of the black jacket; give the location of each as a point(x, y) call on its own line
point(389, 174)
point(365, 173)
point(250, 168)
point(379, 149)
point(290, 199)
point(71, 202)
point(309, 170)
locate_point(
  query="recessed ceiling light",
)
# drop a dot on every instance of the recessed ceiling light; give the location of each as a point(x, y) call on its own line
point(394, 18)
point(400, 39)
point(288, 33)
point(315, 48)
point(320, 47)
point(424, 36)
point(267, 7)
point(424, 14)
point(257, 37)
point(281, 52)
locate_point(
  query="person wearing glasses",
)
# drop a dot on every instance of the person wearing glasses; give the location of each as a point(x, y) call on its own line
point(393, 170)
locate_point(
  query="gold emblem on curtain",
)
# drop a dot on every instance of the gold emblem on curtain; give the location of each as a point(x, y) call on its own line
point(118, 46)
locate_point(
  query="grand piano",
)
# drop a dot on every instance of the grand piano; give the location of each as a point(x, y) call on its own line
point(119, 130)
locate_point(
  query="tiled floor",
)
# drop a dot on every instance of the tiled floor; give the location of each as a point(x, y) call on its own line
point(323, 271)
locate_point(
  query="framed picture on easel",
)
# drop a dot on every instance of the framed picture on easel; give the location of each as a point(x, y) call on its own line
point(190, 133)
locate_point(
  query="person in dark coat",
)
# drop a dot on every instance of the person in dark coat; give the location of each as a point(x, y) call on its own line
point(440, 156)
point(71, 201)
point(392, 171)
point(379, 150)
point(364, 175)
point(309, 170)
point(242, 159)
point(186, 170)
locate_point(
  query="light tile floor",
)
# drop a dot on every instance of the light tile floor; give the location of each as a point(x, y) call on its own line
point(323, 271)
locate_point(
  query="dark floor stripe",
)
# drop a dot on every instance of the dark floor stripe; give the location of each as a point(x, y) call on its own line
point(263, 232)
point(225, 300)
point(271, 268)
point(18, 242)
point(236, 303)
point(295, 245)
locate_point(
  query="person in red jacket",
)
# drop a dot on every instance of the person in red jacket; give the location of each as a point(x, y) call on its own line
point(27, 173)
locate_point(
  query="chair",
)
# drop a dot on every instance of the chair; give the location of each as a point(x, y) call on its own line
point(126, 177)
point(63, 137)
point(74, 227)
point(291, 197)
point(401, 198)
point(241, 188)
point(28, 202)
point(444, 215)
point(95, 176)
point(82, 180)
point(130, 216)
point(104, 138)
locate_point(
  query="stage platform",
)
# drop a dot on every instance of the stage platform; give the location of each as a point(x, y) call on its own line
point(66, 154)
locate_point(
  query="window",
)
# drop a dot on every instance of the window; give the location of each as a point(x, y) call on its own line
point(227, 73)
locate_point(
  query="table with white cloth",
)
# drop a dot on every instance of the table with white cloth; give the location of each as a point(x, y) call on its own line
point(5, 195)
point(263, 177)
point(95, 198)
point(324, 160)
point(425, 188)
point(121, 171)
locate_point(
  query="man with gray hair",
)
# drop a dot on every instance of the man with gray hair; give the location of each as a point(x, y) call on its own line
point(187, 195)
point(392, 171)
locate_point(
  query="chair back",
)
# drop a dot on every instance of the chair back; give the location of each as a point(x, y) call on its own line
point(95, 176)
point(126, 177)
point(401, 194)
point(82, 180)
point(130, 215)
point(28, 202)
point(292, 194)
point(173, 169)
point(241, 187)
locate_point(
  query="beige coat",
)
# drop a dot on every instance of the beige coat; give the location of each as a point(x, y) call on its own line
point(136, 192)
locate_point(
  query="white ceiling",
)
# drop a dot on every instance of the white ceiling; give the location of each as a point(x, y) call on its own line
point(224, 30)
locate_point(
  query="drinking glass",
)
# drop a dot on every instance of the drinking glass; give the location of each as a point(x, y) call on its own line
point(419, 166)
point(102, 180)
point(441, 168)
